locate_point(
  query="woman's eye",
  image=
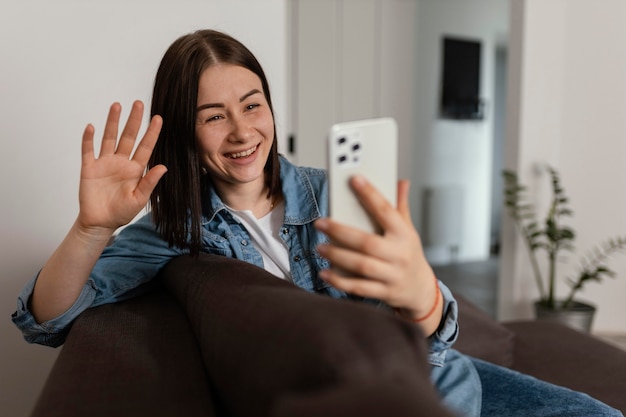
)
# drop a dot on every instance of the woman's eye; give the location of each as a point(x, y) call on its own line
point(252, 106)
point(213, 118)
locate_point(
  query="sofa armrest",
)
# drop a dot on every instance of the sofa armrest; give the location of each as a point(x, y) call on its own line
point(567, 357)
point(483, 337)
point(136, 357)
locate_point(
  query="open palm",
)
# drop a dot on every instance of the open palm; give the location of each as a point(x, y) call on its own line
point(113, 187)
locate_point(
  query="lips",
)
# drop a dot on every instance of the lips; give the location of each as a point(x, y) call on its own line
point(242, 154)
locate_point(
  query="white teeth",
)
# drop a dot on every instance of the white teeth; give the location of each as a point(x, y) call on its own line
point(242, 154)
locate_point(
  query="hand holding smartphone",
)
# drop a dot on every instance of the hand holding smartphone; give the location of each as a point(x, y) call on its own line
point(364, 147)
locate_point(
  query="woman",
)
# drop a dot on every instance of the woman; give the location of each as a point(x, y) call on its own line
point(217, 184)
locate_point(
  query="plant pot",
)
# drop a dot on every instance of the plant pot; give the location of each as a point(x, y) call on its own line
point(577, 315)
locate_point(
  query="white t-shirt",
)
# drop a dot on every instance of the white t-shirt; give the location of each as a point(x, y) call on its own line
point(265, 235)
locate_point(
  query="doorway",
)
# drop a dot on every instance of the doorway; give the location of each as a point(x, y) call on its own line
point(396, 59)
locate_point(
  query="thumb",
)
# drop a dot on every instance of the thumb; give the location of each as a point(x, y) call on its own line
point(149, 181)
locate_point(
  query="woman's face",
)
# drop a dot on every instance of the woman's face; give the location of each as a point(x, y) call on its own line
point(234, 126)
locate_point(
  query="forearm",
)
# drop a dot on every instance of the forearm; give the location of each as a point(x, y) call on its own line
point(62, 278)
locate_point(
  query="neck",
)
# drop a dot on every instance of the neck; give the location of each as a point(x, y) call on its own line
point(253, 197)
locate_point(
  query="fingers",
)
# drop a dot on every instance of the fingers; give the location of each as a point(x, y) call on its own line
point(146, 146)
point(403, 200)
point(109, 138)
point(128, 137)
point(384, 214)
point(396, 223)
point(354, 239)
point(87, 144)
point(131, 129)
point(355, 273)
point(356, 263)
point(358, 286)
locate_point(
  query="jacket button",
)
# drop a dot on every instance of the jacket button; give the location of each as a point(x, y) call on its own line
point(297, 258)
point(285, 231)
point(244, 243)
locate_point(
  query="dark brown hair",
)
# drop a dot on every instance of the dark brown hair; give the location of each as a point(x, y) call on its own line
point(177, 199)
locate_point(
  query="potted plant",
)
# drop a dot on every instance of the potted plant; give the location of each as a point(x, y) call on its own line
point(551, 238)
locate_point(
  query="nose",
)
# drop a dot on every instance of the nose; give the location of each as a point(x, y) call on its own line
point(241, 131)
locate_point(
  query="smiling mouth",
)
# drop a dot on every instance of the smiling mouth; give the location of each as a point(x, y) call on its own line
point(242, 154)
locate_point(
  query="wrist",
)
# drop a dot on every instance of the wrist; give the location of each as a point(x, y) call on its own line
point(423, 314)
point(92, 234)
point(423, 317)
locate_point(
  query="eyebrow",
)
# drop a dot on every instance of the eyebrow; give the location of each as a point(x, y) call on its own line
point(241, 99)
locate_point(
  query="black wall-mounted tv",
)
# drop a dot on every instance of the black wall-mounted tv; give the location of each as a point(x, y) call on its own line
point(460, 81)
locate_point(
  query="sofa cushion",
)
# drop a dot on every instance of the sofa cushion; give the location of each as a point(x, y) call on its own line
point(271, 348)
point(483, 337)
point(134, 358)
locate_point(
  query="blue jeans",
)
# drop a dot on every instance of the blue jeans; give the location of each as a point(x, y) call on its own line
point(509, 393)
point(474, 388)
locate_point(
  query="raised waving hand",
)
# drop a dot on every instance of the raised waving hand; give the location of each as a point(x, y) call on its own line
point(113, 187)
point(113, 190)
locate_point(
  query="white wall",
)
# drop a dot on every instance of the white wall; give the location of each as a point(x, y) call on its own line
point(63, 64)
point(456, 153)
point(593, 144)
point(567, 100)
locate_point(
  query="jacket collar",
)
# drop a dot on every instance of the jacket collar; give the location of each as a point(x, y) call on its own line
point(301, 205)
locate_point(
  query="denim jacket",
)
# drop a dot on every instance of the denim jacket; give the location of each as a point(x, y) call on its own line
point(138, 252)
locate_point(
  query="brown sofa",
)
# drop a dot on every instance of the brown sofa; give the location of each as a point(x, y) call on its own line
point(186, 348)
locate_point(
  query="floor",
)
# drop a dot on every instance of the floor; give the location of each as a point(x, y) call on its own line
point(478, 282)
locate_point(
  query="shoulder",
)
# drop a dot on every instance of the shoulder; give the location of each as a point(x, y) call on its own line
point(315, 175)
point(313, 180)
point(290, 171)
point(305, 190)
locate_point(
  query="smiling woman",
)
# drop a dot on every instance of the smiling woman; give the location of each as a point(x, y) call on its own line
point(217, 185)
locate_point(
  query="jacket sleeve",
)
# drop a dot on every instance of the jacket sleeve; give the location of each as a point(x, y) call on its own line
point(447, 333)
point(125, 269)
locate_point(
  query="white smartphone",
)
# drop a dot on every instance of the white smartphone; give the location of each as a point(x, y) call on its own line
point(369, 148)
